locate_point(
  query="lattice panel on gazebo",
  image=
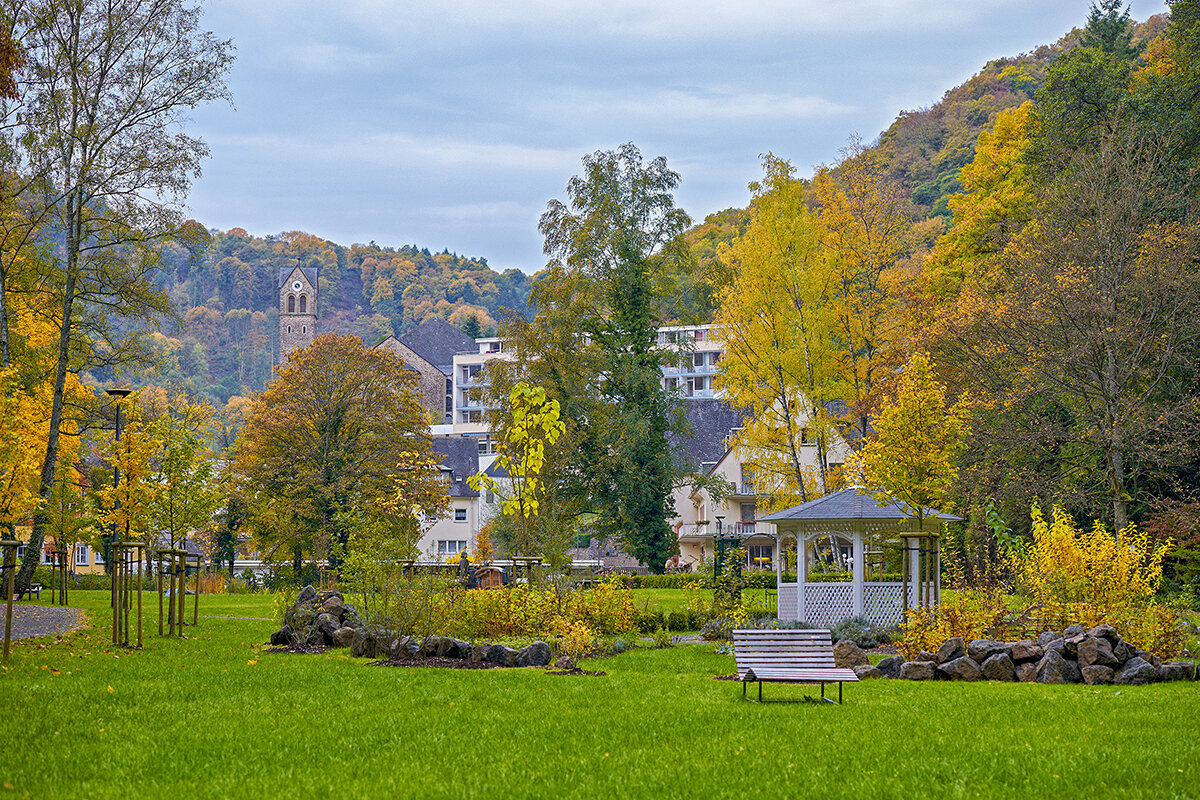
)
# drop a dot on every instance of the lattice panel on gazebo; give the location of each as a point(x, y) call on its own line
point(828, 603)
point(883, 603)
point(788, 609)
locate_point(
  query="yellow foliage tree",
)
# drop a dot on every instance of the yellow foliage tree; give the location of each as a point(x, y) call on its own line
point(775, 323)
point(125, 508)
point(910, 457)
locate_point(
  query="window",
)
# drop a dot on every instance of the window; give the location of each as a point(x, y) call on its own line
point(47, 555)
point(471, 417)
point(291, 304)
point(697, 359)
point(99, 559)
point(494, 347)
point(449, 387)
point(81, 555)
point(304, 329)
point(450, 547)
point(303, 303)
point(749, 512)
point(491, 497)
point(747, 479)
point(804, 436)
point(699, 335)
point(460, 515)
point(759, 555)
point(20, 552)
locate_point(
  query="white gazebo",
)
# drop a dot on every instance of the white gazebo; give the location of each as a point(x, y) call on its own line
point(851, 516)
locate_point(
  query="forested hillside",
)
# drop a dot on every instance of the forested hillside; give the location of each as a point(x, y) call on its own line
point(225, 288)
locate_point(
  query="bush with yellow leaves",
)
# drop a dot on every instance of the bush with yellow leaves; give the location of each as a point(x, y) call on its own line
point(1066, 575)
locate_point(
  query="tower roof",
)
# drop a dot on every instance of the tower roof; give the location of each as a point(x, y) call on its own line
point(437, 341)
point(310, 275)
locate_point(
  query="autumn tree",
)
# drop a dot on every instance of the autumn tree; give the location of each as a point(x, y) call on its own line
point(339, 432)
point(776, 321)
point(910, 457)
point(865, 227)
point(125, 505)
point(188, 489)
point(106, 88)
point(1098, 310)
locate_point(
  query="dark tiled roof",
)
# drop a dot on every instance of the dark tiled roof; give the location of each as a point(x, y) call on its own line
point(851, 503)
point(461, 455)
point(309, 273)
point(437, 341)
point(710, 422)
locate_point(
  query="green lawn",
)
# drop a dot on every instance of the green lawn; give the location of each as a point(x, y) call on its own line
point(198, 718)
point(677, 599)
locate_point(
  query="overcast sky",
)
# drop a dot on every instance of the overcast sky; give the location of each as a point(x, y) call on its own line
point(450, 124)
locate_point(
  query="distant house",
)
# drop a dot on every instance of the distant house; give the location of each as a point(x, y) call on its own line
point(429, 350)
point(458, 458)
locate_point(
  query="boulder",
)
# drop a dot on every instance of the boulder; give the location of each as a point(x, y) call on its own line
point(335, 607)
point(866, 671)
point(981, 650)
point(499, 654)
point(961, 669)
point(564, 662)
point(307, 595)
point(1025, 651)
point(1048, 636)
point(999, 667)
point(925, 655)
point(1053, 668)
point(1106, 632)
point(890, 666)
point(1123, 651)
point(847, 654)
point(327, 623)
point(1137, 671)
point(343, 637)
point(1095, 674)
point(429, 646)
point(1095, 651)
point(1177, 671)
point(1073, 630)
point(952, 648)
point(283, 636)
point(1057, 645)
point(534, 655)
point(1026, 672)
point(1146, 655)
point(364, 644)
point(918, 670)
point(454, 648)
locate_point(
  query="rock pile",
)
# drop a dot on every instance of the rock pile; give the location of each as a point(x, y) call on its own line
point(323, 618)
point(318, 618)
point(1074, 655)
point(385, 644)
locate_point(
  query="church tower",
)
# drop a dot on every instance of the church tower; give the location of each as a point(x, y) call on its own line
point(297, 309)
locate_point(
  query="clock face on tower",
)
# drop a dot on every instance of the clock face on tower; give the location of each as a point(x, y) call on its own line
point(297, 286)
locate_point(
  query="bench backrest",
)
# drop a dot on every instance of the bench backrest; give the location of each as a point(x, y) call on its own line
point(810, 648)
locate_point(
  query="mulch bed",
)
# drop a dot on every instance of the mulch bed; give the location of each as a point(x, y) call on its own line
point(726, 678)
point(299, 649)
point(576, 671)
point(433, 661)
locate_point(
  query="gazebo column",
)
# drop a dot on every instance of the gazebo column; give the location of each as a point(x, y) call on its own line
point(859, 571)
point(913, 548)
point(778, 555)
point(801, 577)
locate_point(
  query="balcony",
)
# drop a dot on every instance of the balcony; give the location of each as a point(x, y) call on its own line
point(743, 528)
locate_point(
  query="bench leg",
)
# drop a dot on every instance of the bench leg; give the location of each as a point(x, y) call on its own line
point(743, 690)
point(760, 691)
point(839, 693)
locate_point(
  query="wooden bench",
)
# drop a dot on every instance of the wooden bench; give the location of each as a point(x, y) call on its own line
point(788, 656)
point(34, 588)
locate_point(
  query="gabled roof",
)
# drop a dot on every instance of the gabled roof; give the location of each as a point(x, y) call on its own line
point(850, 503)
point(710, 421)
point(461, 455)
point(437, 341)
point(310, 275)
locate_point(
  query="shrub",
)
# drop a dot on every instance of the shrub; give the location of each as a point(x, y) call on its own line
point(861, 632)
point(662, 639)
point(718, 629)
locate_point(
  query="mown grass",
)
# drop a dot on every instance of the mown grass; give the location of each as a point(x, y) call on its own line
point(214, 716)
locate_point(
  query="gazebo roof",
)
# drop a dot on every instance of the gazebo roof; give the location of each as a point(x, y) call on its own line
point(850, 504)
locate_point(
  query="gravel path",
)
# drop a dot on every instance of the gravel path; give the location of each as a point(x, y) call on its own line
point(31, 621)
